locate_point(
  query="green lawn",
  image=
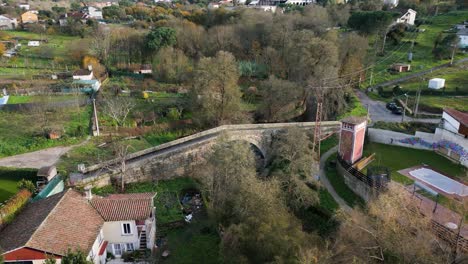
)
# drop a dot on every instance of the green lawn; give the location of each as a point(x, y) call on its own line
point(23, 131)
point(197, 242)
point(91, 153)
point(327, 202)
point(9, 179)
point(328, 143)
point(422, 52)
point(338, 183)
point(397, 158)
point(18, 99)
point(457, 102)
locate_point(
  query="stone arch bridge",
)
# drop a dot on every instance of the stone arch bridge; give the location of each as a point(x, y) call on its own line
point(177, 158)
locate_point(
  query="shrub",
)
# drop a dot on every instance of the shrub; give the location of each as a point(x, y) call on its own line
point(13, 206)
point(28, 185)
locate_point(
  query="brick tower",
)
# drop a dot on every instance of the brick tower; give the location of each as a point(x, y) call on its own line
point(353, 131)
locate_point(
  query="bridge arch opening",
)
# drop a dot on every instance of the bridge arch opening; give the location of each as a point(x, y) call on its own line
point(259, 155)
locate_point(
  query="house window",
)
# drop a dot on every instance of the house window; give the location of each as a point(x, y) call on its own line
point(117, 250)
point(129, 247)
point(126, 229)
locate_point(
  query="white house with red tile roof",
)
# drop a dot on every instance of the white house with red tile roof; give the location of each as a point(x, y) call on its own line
point(50, 227)
point(69, 220)
point(130, 222)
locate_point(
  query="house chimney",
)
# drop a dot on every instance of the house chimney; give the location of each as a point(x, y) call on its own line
point(90, 67)
point(88, 193)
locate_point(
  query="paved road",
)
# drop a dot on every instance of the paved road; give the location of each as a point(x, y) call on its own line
point(378, 111)
point(326, 183)
point(37, 159)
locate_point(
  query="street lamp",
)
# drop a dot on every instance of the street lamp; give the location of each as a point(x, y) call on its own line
point(404, 109)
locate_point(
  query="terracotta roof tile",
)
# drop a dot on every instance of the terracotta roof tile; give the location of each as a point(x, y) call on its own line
point(119, 207)
point(53, 225)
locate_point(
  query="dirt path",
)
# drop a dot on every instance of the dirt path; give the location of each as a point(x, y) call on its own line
point(326, 183)
point(37, 159)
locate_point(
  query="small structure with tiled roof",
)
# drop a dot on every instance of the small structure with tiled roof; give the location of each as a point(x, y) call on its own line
point(455, 121)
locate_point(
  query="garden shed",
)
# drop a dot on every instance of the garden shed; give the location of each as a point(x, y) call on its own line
point(401, 67)
point(436, 83)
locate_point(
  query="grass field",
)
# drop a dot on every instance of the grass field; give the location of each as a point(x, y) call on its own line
point(422, 53)
point(22, 131)
point(17, 99)
point(338, 183)
point(9, 179)
point(397, 158)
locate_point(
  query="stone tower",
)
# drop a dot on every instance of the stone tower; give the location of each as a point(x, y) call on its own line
point(352, 133)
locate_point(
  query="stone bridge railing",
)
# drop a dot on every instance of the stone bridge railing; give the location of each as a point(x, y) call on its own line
point(175, 157)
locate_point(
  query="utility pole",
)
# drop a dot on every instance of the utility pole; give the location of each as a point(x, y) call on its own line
point(453, 54)
point(404, 109)
point(418, 96)
point(95, 116)
point(318, 121)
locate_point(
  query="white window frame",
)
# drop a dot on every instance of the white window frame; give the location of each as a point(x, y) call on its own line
point(129, 227)
point(120, 248)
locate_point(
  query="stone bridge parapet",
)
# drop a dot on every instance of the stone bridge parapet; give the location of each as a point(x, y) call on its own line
point(177, 158)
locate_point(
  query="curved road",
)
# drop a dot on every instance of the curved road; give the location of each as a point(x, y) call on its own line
point(379, 112)
point(326, 183)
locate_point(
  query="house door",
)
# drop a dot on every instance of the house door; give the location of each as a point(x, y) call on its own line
point(117, 250)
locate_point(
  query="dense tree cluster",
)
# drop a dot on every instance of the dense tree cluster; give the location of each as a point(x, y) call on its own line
point(277, 55)
point(261, 221)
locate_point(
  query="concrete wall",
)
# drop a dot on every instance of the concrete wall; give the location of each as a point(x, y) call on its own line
point(179, 157)
point(357, 186)
point(386, 136)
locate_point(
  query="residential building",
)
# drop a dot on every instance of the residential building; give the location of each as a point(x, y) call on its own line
point(93, 12)
point(83, 74)
point(24, 6)
point(463, 38)
point(300, 2)
point(29, 17)
point(143, 69)
point(132, 215)
point(70, 220)
point(80, 16)
point(7, 22)
point(408, 17)
point(49, 227)
point(455, 121)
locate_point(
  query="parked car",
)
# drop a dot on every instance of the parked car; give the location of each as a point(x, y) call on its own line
point(391, 106)
point(397, 111)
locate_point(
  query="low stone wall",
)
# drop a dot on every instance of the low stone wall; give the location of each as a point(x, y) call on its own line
point(360, 188)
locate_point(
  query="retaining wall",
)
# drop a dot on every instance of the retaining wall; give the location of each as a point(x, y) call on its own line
point(360, 188)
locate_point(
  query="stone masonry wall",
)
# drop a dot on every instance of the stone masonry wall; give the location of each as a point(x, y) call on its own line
point(178, 158)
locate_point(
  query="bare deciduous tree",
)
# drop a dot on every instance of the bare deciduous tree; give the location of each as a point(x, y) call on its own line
point(118, 108)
